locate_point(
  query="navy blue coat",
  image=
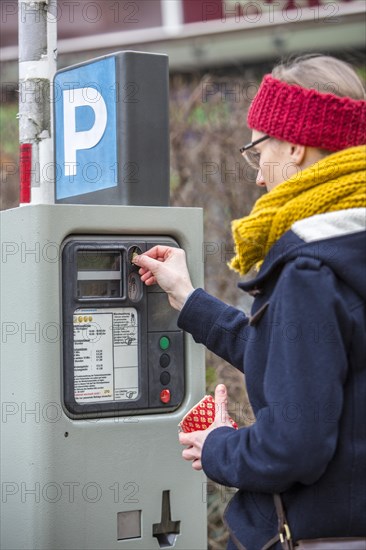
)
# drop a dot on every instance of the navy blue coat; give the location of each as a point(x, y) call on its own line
point(303, 351)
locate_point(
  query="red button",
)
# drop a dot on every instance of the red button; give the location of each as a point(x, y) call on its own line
point(165, 396)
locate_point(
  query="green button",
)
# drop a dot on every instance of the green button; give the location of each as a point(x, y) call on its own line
point(164, 342)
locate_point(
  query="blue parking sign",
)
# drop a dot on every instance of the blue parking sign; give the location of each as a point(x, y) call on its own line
point(111, 133)
point(85, 128)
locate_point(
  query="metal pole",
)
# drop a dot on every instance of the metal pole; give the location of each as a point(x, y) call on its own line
point(37, 66)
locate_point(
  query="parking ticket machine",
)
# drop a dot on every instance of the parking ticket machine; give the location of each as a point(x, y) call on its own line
point(95, 372)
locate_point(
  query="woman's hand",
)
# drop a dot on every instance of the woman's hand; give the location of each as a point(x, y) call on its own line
point(195, 440)
point(167, 267)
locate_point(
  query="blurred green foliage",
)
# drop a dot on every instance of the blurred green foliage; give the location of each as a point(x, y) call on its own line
point(9, 141)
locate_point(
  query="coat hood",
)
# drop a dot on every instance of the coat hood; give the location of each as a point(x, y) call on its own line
point(337, 239)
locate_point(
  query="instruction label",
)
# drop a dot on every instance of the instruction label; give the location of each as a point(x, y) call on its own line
point(105, 354)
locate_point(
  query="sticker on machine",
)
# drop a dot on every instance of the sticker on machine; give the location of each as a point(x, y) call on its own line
point(105, 354)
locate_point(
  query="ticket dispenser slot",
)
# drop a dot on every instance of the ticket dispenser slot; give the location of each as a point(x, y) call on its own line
point(123, 352)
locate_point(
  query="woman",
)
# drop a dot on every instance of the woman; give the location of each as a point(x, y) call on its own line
point(303, 347)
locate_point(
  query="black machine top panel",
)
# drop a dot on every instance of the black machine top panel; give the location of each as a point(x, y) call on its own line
point(123, 352)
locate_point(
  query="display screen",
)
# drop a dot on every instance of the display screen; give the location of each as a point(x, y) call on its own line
point(98, 260)
point(99, 274)
point(99, 288)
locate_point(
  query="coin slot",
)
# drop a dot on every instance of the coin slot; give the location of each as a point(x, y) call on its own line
point(133, 251)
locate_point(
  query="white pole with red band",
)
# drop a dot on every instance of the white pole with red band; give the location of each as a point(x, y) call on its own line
point(37, 66)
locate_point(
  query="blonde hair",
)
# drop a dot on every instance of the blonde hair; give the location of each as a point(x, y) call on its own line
point(323, 73)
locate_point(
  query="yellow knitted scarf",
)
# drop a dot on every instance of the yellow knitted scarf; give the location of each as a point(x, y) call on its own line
point(337, 182)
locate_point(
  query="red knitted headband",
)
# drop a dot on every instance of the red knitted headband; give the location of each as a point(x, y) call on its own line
point(307, 117)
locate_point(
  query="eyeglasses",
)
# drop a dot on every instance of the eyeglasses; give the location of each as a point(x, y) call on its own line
point(252, 157)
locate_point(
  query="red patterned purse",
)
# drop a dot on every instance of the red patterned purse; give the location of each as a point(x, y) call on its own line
point(201, 416)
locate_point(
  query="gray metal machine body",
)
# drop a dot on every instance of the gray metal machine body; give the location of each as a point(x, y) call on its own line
point(101, 472)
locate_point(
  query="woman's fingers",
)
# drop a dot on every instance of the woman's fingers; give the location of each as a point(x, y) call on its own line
point(167, 267)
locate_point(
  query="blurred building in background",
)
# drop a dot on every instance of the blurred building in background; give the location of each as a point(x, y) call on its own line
point(194, 33)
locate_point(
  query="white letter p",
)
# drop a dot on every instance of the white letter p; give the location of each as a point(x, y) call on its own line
point(86, 139)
